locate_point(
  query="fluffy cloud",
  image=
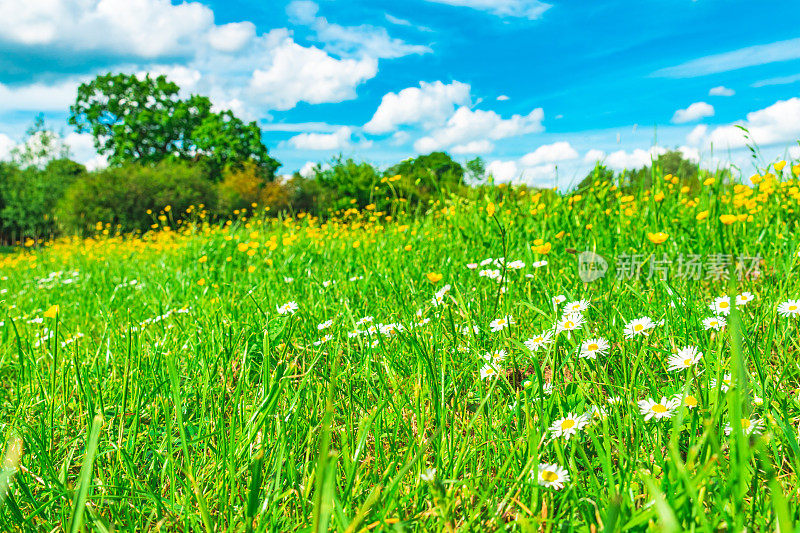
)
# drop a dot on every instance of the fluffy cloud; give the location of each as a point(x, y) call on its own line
point(695, 111)
point(310, 75)
point(467, 125)
point(530, 9)
point(144, 28)
point(550, 153)
point(429, 104)
point(473, 147)
point(776, 124)
point(38, 96)
point(231, 37)
point(513, 172)
point(697, 135)
point(363, 40)
point(337, 140)
point(594, 155)
point(637, 158)
point(721, 90)
point(6, 145)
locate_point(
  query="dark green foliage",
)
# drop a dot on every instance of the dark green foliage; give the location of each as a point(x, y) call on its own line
point(123, 195)
point(143, 120)
point(349, 181)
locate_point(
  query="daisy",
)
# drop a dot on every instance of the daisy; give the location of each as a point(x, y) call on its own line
point(515, 265)
point(686, 357)
point(657, 410)
point(288, 308)
point(568, 426)
point(578, 306)
point(724, 385)
point(287, 279)
point(640, 326)
point(570, 322)
point(745, 298)
point(324, 325)
point(472, 266)
point(539, 264)
point(714, 322)
point(721, 305)
point(536, 342)
point(596, 414)
point(486, 261)
point(488, 371)
point(364, 320)
point(750, 426)
point(758, 400)
point(591, 348)
point(495, 356)
point(688, 400)
point(327, 283)
point(323, 340)
point(501, 323)
point(789, 309)
point(491, 274)
point(558, 299)
point(551, 476)
point(438, 298)
point(614, 400)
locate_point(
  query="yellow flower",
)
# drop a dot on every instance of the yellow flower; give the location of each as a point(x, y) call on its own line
point(702, 215)
point(709, 181)
point(52, 312)
point(203, 259)
point(542, 248)
point(433, 277)
point(490, 209)
point(779, 165)
point(727, 219)
point(658, 196)
point(251, 269)
point(756, 179)
point(395, 177)
point(796, 169)
point(407, 248)
point(657, 238)
point(201, 281)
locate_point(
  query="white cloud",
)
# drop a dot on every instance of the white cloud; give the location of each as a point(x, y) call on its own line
point(721, 90)
point(430, 104)
point(337, 140)
point(637, 158)
point(695, 111)
point(310, 75)
point(144, 28)
point(690, 153)
point(550, 153)
point(187, 78)
point(744, 57)
point(6, 145)
point(473, 147)
point(231, 37)
point(530, 9)
point(397, 20)
point(308, 170)
point(502, 98)
point(780, 80)
point(514, 172)
point(363, 40)
point(38, 96)
point(697, 135)
point(594, 155)
point(775, 124)
point(467, 125)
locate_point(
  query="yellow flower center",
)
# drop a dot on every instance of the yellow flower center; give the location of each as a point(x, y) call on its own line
point(549, 476)
point(658, 408)
point(592, 347)
point(691, 401)
point(569, 324)
point(567, 424)
point(687, 362)
point(745, 423)
point(638, 327)
point(792, 307)
point(724, 305)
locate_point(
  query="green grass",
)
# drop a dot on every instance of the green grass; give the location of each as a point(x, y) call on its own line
point(190, 404)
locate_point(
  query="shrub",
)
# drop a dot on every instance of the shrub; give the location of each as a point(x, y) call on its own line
point(248, 185)
point(28, 197)
point(126, 196)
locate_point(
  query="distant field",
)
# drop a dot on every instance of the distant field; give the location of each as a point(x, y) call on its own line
point(373, 372)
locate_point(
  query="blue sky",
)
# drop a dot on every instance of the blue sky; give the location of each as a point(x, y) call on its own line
point(540, 90)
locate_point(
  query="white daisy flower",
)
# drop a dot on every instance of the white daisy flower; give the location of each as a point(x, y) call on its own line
point(488, 371)
point(287, 279)
point(364, 320)
point(714, 322)
point(558, 299)
point(486, 262)
point(495, 356)
point(614, 400)
point(721, 305)
point(501, 323)
point(568, 426)
point(570, 322)
point(472, 266)
point(686, 357)
point(515, 265)
point(591, 348)
point(758, 401)
point(325, 325)
point(578, 306)
point(539, 264)
point(651, 409)
point(596, 414)
point(724, 385)
point(789, 309)
point(745, 298)
point(551, 476)
point(750, 426)
point(639, 326)
point(466, 330)
point(687, 401)
point(537, 341)
point(327, 283)
point(288, 308)
point(323, 340)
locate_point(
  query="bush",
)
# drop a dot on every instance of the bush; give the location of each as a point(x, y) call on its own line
point(248, 185)
point(28, 197)
point(126, 196)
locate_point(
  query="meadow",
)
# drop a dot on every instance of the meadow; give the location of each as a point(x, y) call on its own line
point(374, 371)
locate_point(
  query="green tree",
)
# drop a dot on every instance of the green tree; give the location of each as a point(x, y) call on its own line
point(143, 119)
point(476, 169)
point(41, 146)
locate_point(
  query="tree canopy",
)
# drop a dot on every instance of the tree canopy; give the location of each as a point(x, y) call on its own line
point(144, 119)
